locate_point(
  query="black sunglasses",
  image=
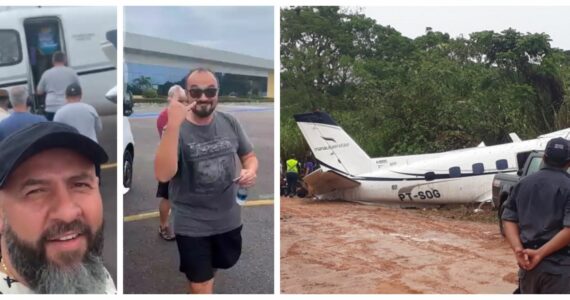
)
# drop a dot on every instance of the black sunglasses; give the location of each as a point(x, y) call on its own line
point(197, 93)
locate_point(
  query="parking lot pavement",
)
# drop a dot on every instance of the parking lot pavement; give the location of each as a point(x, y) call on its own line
point(151, 263)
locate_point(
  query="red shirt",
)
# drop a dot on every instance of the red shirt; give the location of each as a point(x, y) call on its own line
point(161, 121)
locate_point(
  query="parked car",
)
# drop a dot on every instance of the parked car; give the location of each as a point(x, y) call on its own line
point(529, 162)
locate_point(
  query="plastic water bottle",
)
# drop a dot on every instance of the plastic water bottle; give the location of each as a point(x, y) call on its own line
point(241, 195)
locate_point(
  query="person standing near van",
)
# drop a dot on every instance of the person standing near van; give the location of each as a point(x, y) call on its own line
point(81, 116)
point(20, 117)
point(54, 82)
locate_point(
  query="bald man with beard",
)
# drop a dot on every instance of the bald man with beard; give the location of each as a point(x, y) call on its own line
point(197, 154)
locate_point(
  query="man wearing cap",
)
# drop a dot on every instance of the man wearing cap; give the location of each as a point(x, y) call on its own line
point(81, 116)
point(197, 154)
point(51, 211)
point(54, 82)
point(537, 224)
point(20, 116)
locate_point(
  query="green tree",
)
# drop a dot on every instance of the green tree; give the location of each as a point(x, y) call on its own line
point(142, 83)
point(395, 95)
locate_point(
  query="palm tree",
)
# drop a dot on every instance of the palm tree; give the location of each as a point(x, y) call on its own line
point(143, 82)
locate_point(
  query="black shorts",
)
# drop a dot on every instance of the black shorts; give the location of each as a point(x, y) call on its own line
point(162, 190)
point(201, 256)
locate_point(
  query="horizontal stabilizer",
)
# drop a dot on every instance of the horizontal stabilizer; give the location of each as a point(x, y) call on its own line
point(324, 182)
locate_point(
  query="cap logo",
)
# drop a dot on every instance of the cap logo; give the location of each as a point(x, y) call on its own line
point(558, 146)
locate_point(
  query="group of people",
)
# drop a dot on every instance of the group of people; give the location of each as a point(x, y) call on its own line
point(61, 87)
point(291, 175)
point(51, 208)
point(195, 165)
point(51, 232)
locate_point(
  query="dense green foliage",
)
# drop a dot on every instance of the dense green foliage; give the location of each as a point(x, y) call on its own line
point(396, 95)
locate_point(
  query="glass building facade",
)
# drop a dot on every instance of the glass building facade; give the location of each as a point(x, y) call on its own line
point(162, 78)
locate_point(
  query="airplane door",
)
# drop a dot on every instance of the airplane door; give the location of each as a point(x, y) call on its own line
point(44, 37)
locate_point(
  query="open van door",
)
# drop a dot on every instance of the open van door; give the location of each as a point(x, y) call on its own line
point(44, 37)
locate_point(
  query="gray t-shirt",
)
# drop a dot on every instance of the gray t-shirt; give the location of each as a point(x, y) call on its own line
point(82, 117)
point(54, 82)
point(202, 192)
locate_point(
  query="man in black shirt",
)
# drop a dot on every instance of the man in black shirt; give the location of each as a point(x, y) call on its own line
point(537, 224)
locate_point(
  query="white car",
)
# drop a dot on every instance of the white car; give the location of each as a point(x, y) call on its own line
point(128, 142)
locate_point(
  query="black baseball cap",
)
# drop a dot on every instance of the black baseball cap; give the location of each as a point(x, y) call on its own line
point(558, 150)
point(73, 89)
point(27, 142)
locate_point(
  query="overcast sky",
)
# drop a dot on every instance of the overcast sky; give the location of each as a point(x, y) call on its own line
point(245, 30)
point(412, 21)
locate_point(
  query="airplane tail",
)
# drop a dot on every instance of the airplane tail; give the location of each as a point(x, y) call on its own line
point(331, 145)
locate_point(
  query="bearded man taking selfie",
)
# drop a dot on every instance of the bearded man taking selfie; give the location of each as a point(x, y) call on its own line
point(51, 212)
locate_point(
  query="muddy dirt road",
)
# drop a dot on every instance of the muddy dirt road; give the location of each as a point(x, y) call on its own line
point(341, 247)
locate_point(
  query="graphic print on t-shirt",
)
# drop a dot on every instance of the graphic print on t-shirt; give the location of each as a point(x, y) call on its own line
point(213, 165)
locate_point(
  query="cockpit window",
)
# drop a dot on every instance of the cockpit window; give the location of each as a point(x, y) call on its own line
point(10, 48)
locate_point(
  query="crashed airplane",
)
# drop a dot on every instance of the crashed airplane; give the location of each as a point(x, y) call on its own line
point(461, 176)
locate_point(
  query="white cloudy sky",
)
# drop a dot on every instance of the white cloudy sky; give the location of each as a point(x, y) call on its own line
point(246, 30)
point(412, 21)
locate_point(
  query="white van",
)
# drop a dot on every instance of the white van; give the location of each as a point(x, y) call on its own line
point(30, 35)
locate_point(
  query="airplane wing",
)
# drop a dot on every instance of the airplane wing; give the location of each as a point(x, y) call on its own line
point(320, 182)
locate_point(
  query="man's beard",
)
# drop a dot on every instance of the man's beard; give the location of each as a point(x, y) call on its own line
point(204, 112)
point(46, 277)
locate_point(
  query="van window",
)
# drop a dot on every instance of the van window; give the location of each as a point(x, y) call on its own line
point(454, 172)
point(10, 48)
point(502, 164)
point(478, 168)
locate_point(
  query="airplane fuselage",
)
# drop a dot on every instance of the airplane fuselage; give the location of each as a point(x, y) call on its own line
point(458, 176)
